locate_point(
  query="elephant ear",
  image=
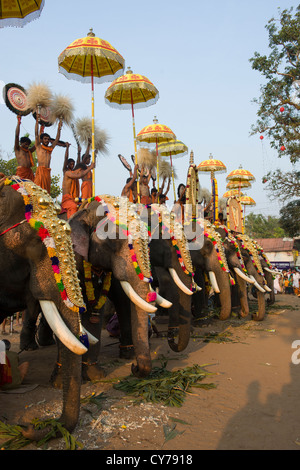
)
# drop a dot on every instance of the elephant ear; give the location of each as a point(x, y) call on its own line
point(80, 233)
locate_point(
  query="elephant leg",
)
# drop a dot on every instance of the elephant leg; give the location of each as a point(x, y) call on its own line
point(27, 335)
point(44, 333)
point(123, 306)
point(90, 366)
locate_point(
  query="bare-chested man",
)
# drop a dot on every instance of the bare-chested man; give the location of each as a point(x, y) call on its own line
point(23, 153)
point(145, 196)
point(70, 187)
point(43, 152)
point(130, 188)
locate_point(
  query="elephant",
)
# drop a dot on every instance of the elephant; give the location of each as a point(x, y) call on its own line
point(224, 271)
point(269, 273)
point(109, 235)
point(38, 268)
point(239, 291)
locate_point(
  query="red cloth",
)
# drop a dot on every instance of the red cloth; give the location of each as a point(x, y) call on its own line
point(5, 373)
point(25, 173)
point(69, 205)
point(43, 178)
point(86, 189)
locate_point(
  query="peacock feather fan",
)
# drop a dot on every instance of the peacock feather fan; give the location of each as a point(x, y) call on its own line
point(39, 94)
point(62, 109)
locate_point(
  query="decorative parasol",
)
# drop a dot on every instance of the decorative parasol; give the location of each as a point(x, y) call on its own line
point(131, 91)
point(238, 185)
point(91, 59)
point(19, 12)
point(155, 133)
point(212, 165)
point(232, 192)
point(174, 148)
point(247, 201)
point(239, 176)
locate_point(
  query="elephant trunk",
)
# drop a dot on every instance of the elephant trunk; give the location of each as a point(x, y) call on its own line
point(181, 332)
point(139, 322)
point(259, 316)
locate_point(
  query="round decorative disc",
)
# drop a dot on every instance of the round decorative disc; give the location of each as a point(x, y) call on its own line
point(45, 117)
point(16, 99)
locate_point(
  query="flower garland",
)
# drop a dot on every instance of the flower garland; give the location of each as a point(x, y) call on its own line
point(49, 243)
point(248, 245)
point(89, 288)
point(223, 262)
point(230, 238)
point(126, 232)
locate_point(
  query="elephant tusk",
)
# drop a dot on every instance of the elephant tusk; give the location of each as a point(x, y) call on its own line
point(178, 282)
point(267, 288)
point(92, 339)
point(60, 329)
point(272, 272)
point(240, 273)
point(136, 299)
point(164, 303)
point(257, 285)
point(213, 281)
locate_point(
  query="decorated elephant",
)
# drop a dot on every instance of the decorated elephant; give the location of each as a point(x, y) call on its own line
point(109, 236)
point(269, 273)
point(239, 290)
point(38, 269)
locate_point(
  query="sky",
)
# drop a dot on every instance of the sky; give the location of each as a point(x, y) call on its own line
point(195, 52)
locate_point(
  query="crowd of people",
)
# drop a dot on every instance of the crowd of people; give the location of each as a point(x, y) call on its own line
point(288, 282)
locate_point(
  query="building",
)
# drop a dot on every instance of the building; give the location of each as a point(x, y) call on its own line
point(283, 253)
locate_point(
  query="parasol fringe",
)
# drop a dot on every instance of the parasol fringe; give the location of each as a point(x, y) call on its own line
point(23, 21)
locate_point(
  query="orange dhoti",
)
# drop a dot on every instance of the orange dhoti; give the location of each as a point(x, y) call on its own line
point(25, 173)
point(69, 205)
point(86, 189)
point(43, 178)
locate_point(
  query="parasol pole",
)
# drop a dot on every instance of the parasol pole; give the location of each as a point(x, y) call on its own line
point(173, 176)
point(93, 123)
point(135, 150)
point(157, 166)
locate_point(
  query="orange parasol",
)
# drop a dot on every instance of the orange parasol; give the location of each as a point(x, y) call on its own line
point(19, 12)
point(131, 91)
point(212, 165)
point(155, 133)
point(91, 59)
point(174, 148)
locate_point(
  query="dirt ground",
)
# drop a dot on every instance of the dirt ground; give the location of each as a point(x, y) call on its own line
point(254, 405)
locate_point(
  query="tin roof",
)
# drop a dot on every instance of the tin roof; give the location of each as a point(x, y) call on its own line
point(276, 244)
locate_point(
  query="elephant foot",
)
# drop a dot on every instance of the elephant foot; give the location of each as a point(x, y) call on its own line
point(92, 372)
point(140, 372)
point(28, 345)
point(126, 352)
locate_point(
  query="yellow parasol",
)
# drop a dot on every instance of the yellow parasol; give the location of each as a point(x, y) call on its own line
point(212, 165)
point(155, 133)
point(174, 148)
point(91, 59)
point(232, 192)
point(19, 12)
point(247, 201)
point(238, 184)
point(239, 176)
point(131, 91)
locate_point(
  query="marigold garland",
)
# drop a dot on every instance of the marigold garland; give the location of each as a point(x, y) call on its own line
point(89, 288)
point(49, 243)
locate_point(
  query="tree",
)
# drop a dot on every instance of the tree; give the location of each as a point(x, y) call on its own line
point(279, 103)
point(259, 226)
point(9, 167)
point(281, 185)
point(290, 218)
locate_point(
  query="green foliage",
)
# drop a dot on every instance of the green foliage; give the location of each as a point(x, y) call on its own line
point(163, 386)
point(9, 168)
point(280, 69)
point(290, 218)
point(283, 186)
point(259, 226)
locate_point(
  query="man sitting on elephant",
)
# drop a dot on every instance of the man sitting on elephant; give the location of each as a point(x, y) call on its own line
point(70, 187)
